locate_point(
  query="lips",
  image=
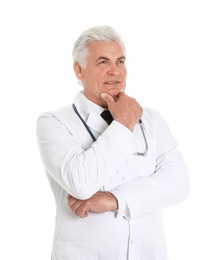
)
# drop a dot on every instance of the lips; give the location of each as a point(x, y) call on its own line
point(111, 82)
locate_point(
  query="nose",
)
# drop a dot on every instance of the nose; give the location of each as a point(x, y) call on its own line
point(113, 70)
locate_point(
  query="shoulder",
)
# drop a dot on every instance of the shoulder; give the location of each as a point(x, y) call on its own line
point(62, 119)
point(61, 114)
point(150, 114)
point(153, 119)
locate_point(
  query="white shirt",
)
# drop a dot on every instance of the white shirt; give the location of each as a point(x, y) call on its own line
point(143, 185)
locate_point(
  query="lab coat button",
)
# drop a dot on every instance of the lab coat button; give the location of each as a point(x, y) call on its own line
point(123, 178)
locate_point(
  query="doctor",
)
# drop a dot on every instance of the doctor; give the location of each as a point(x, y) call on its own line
point(110, 180)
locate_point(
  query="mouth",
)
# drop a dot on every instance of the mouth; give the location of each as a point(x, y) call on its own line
point(112, 82)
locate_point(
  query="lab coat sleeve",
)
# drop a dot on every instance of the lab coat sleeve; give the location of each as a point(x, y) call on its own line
point(81, 172)
point(167, 186)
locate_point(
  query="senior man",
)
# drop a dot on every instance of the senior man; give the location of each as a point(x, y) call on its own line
point(113, 166)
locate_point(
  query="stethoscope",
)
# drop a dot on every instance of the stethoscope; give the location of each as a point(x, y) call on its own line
point(144, 153)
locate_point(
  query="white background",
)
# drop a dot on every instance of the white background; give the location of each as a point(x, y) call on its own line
point(173, 61)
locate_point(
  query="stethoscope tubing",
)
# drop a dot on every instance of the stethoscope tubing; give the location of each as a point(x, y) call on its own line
point(94, 139)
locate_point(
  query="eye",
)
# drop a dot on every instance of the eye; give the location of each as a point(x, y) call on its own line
point(121, 61)
point(102, 62)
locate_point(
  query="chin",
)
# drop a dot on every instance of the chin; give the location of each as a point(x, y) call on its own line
point(115, 92)
point(115, 97)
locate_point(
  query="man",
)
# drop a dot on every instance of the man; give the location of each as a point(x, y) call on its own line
point(110, 180)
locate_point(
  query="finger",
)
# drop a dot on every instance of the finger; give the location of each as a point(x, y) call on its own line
point(108, 98)
point(82, 210)
point(74, 205)
point(69, 197)
point(121, 94)
point(72, 201)
point(82, 213)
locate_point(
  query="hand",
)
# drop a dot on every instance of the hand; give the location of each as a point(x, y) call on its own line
point(125, 110)
point(101, 201)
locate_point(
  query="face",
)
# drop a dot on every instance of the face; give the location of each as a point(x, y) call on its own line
point(105, 71)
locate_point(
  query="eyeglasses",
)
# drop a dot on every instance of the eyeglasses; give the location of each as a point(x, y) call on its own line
point(94, 139)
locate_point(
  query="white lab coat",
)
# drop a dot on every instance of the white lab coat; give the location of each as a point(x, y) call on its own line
point(143, 185)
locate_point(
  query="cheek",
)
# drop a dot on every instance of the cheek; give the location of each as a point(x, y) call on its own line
point(95, 75)
point(88, 80)
point(124, 73)
point(93, 85)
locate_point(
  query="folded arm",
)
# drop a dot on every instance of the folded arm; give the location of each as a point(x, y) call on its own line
point(167, 186)
point(81, 172)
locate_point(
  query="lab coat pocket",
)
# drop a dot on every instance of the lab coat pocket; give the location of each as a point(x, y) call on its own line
point(70, 250)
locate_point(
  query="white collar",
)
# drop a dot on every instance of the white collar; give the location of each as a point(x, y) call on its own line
point(90, 112)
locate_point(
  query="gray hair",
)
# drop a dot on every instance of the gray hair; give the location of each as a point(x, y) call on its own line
point(102, 33)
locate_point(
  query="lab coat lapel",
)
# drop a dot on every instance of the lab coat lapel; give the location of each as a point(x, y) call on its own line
point(89, 115)
point(96, 122)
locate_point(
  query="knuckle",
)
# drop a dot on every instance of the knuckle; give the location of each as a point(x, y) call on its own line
point(87, 204)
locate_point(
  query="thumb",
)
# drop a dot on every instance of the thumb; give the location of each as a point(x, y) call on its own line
point(108, 98)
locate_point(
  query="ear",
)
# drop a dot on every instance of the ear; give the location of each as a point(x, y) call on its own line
point(78, 70)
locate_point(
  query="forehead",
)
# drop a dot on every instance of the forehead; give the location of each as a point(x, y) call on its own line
point(107, 49)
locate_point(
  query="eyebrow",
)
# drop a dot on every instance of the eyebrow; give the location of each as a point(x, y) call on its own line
point(106, 58)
